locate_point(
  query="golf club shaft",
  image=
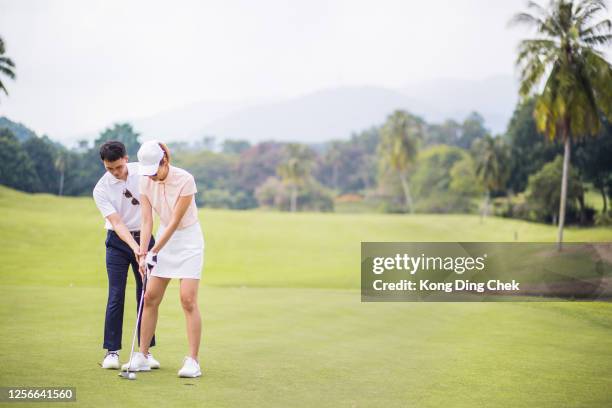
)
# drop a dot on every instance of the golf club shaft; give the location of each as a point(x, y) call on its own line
point(144, 284)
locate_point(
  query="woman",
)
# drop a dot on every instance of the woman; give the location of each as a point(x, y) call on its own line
point(178, 251)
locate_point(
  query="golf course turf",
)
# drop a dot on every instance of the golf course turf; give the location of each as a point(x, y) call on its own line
point(283, 324)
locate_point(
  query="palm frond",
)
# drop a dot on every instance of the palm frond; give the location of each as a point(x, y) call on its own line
point(603, 26)
point(548, 105)
point(581, 5)
point(584, 86)
point(3, 88)
point(537, 8)
point(585, 7)
point(598, 40)
point(599, 72)
point(7, 61)
point(7, 71)
point(589, 9)
point(538, 45)
point(543, 26)
point(559, 18)
point(531, 75)
point(531, 50)
point(527, 19)
point(533, 58)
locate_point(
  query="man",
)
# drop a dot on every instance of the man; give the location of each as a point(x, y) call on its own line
point(117, 197)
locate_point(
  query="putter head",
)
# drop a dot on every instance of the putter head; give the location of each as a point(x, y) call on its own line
point(127, 375)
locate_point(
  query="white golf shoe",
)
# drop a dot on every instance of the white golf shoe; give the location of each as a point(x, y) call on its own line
point(139, 363)
point(153, 363)
point(111, 360)
point(190, 369)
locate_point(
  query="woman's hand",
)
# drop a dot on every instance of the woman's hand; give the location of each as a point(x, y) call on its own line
point(151, 259)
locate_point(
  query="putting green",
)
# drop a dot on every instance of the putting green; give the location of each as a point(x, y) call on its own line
point(283, 321)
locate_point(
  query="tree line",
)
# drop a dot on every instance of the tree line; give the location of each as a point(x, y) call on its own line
point(402, 165)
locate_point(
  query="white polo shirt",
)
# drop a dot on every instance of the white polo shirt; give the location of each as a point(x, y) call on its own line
point(109, 197)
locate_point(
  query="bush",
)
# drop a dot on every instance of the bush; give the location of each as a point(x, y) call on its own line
point(603, 219)
point(392, 207)
point(544, 193)
point(220, 198)
point(445, 202)
point(312, 196)
point(266, 193)
point(349, 198)
point(584, 216)
point(514, 206)
point(444, 181)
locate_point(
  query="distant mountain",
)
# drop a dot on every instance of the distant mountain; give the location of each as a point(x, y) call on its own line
point(336, 112)
point(494, 98)
point(185, 123)
point(19, 130)
point(316, 117)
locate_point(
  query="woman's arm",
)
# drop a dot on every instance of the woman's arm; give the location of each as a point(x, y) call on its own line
point(182, 204)
point(146, 228)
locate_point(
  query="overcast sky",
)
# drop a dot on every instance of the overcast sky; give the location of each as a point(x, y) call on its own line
point(83, 64)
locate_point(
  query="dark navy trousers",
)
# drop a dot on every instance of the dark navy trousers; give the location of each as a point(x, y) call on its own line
point(119, 257)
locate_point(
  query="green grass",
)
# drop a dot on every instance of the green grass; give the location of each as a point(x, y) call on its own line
point(283, 321)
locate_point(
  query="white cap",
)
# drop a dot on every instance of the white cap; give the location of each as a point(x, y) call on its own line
point(149, 156)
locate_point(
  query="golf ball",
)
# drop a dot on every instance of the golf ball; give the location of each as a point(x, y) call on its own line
point(132, 376)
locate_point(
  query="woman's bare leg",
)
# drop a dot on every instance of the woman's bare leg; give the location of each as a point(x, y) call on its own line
point(189, 301)
point(154, 293)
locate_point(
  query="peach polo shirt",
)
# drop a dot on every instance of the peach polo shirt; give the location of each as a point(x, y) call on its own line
point(163, 195)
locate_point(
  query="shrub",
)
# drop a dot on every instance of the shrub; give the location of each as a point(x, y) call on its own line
point(312, 196)
point(543, 196)
point(220, 198)
point(603, 219)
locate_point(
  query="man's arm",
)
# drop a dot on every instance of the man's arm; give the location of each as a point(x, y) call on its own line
point(123, 232)
point(110, 213)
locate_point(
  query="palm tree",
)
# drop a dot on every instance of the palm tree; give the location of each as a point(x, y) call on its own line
point(492, 157)
point(333, 156)
point(399, 138)
point(6, 66)
point(578, 80)
point(60, 166)
point(295, 169)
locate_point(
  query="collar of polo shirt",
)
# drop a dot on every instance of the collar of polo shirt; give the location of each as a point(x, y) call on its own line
point(115, 180)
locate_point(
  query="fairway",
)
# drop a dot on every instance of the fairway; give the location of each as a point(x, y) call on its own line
point(283, 322)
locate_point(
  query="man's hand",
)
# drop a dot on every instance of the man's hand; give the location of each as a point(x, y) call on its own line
point(142, 267)
point(137, 253)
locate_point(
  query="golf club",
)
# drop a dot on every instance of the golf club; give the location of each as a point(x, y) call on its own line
point(127, 374)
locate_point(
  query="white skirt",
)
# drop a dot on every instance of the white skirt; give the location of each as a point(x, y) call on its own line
point(183, 255)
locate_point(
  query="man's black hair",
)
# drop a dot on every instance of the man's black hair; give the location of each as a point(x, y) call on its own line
point(112, 150)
